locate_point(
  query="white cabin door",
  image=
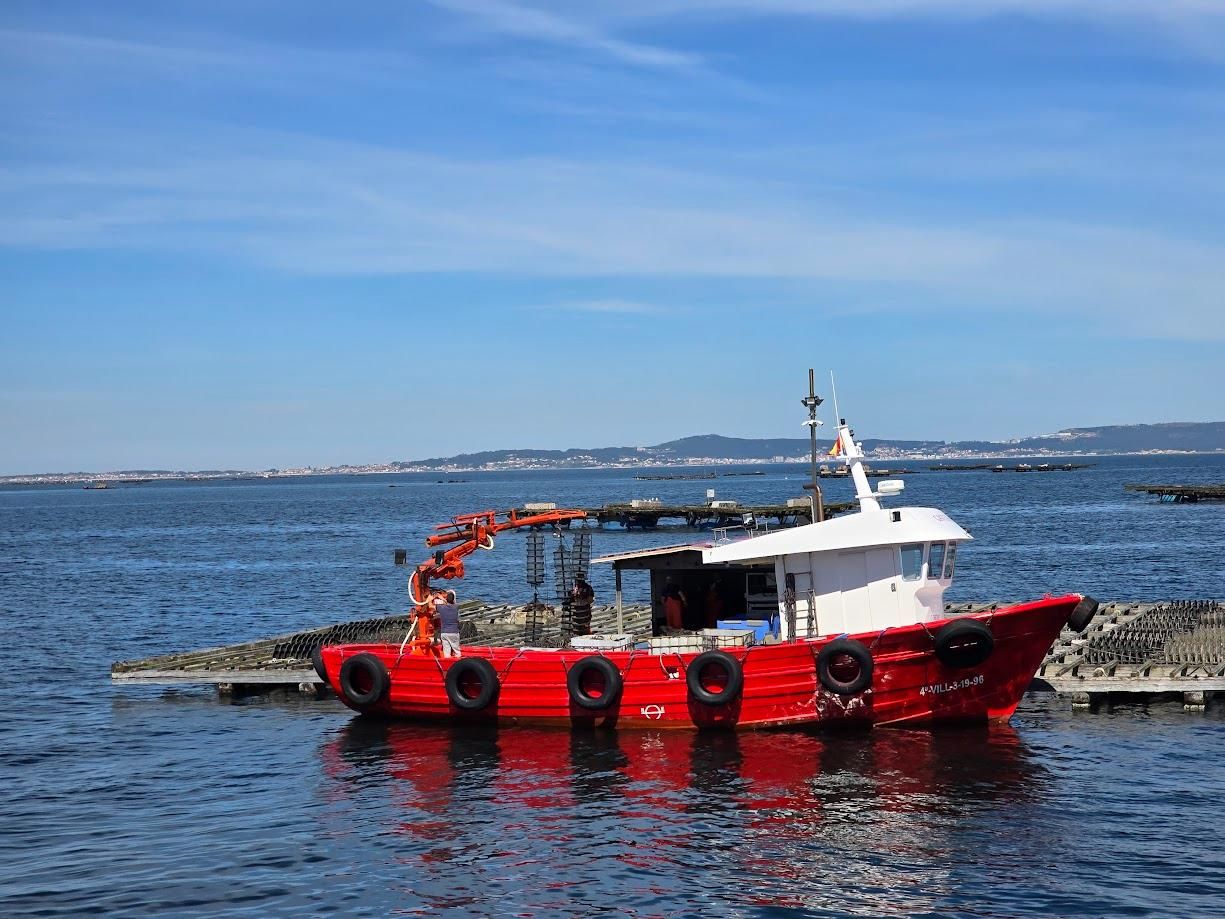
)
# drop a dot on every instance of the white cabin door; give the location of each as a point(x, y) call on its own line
point(882, 577)
point(853, 584)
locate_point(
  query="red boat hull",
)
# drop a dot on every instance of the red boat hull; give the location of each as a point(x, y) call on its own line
point(909, 685)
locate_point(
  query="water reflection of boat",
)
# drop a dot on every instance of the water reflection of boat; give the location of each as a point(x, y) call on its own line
point(545, 767)
point(794, 810)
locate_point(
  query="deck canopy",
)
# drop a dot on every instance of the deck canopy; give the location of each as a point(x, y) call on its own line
point(688, 555)
point(709, 591)
point(886, 527)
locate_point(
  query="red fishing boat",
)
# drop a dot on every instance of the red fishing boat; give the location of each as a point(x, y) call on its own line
point(854, 633)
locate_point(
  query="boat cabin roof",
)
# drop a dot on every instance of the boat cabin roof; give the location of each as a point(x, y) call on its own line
point(886, 527)
point(889, 527)
point(686, 555)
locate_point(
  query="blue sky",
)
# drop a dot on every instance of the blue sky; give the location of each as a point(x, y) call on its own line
point(253, 234)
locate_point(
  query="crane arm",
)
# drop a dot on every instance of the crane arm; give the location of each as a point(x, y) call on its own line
point(471, 532)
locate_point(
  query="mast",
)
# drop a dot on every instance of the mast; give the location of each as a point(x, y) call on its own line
point(811, 401)
point(853, 457)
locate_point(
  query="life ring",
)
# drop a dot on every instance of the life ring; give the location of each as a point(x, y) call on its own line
point(608, 694)
point(964, 643)
point(317, 663)
point(462, 674)
point(363, 679)
point(733, 678)
point(1083, 614)
point(845, 667)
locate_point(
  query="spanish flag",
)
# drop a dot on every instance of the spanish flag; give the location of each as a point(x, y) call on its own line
point(836, 449)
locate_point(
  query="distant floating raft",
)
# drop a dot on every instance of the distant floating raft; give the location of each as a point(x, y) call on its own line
point(1181, 493)
point(647, 513)
point(677, 477)
point(1042, 467)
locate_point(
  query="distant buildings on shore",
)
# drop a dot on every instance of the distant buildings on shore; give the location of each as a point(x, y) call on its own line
point(515, 463)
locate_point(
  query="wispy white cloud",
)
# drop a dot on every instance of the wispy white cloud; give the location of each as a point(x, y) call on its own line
point(1197, 25)
point(551, 27)
point(767, 202)
point(1168, 11)
point(339, 209)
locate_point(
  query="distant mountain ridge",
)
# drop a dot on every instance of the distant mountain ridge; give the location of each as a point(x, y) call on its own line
point(1175, 436)
point(1190, 436)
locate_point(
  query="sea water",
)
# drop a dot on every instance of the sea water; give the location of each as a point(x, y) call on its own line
point(147, 800)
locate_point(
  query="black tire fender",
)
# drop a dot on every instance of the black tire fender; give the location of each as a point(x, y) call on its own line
point(612, 683)
point(363, 669)
point(317, 663)
point(1083, 614)
point(964, 643)
point(859, 653)
point(484, 673)
point(731, 667)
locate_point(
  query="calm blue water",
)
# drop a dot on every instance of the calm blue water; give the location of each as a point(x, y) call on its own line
point(147, 801)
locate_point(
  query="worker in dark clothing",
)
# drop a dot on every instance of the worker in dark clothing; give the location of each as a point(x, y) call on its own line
point(674, 603)
point(582, 596)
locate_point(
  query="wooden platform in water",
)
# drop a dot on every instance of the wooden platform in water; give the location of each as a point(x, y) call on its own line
point(646, 515)
point(284, 661)
point(1181, 493)
point(1130, 649)
point(1141, 649)
point(843, 472)
point(1042, 467)
point(1000, 467)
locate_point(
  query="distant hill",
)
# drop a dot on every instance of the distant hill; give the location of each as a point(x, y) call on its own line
point(1184, 436)
point(1133, 438)
point(765, 448)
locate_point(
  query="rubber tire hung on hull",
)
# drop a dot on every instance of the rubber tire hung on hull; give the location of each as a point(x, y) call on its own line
point(612, 683)
point(483, 671)
point(964, 643)
point(317, 663)
point(853, 649)
point(1083, 614)
point(370, 668)
point(731, 667)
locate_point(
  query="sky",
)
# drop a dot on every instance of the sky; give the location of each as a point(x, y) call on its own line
point(274, 233)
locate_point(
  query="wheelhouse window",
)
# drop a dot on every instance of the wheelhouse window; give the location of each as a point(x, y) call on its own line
point(912, 561)
point(935, 561)
point(949, 559)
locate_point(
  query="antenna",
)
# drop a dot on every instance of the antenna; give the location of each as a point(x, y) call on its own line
point(834, 392)
point(811, 401)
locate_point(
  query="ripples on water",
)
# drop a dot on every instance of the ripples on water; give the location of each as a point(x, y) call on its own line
point(151, 801)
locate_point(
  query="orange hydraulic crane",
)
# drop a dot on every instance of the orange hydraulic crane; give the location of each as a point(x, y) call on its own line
point(471, 532)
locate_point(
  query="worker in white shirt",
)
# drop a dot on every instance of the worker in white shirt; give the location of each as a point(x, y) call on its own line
point(447, 611)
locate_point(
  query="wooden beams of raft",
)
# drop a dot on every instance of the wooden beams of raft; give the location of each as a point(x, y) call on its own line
point(647, 514)
point(283, 662)
point(1135, 650)
point(1181, 493)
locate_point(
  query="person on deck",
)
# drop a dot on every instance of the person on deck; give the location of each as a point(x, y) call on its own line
point(674, 605)
point(447, 611)
point(582, 596)
point(713, 604)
